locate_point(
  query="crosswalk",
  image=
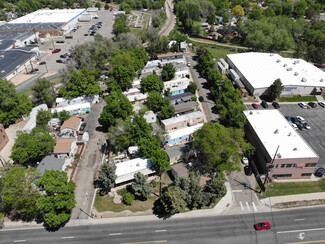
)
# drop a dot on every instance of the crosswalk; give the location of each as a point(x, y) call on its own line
point(250, 207)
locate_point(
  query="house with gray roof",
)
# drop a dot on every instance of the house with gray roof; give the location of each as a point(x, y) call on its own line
point(175, 153)
point(49, 163)
point(183, 108)
point(180, 98)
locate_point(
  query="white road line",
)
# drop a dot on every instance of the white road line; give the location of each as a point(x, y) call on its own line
point(293, 231)
point(67, 237)
point(237, 190)
point(28, 228)
point(255, 209)
point(19, 240)
point(115, 234)
point(249, 209)
point(160, 230)
point(299, 219)
point(241, 205)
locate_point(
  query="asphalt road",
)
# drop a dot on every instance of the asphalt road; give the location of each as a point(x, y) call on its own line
point(171, 19)
point(292, 226)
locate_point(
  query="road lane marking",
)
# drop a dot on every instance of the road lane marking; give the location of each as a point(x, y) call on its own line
point(306, 242)
point(299, 219)
point(67, 237)
point(28, 228)
point(143, 242)
point(237, 190)
point(19, 240)
point(241, 205)
point(249, 209)
point(160, 230)
point(293, 231)
point(255, 209)
point(115, 234)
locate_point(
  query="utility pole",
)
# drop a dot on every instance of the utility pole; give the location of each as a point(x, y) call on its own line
point(269, 166)
point(46, 67)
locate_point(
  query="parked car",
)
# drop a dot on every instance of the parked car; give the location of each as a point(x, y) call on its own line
point(320, 65)
point(201, 99)
point(33, 71)
point(262, 226)
point(312, 104)
point(248, 171)
point(86, 34)
point(264, 104)
point(63, 56)
point(300, 126)
point(302, 105)
point(244, 160)
point(300, 119)
point(289, 119)
point(254, 105)
point(42, 63)
point(276, 105)
point(307, 126)
point(56, 50)
point(60, 61)
point(83, 126)
point(320, 172)
point(294, 126)
point(322, 104)
point(189, 64)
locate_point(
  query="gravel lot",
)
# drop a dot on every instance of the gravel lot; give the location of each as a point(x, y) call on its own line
point(315, 117)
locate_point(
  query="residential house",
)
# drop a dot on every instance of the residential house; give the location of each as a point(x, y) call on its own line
point(181, 136)
point(80, 108)
point(183, 108)
point(51, 163)
point(183, 121)
point(177, 152)
point(31, 124)
point(4, 139)
point(138, 98)
point(125, 170)
point(150, 117)
point(181, 98)
point(70, 127)
point(62, 102)
point(177, 86)
point(183, 46)
point(132, 91)
point(64, 148)
point(170, 56)
point(181, 71)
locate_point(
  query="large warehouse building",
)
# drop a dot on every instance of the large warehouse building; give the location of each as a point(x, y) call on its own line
point(270, 133)
point(257, 71)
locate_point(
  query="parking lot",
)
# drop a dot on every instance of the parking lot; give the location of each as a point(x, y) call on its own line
point(315, 117)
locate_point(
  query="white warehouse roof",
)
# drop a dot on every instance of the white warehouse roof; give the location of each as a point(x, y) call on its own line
point(125, 170)
point(262, 69)
point(274, 130)
point(50, 16)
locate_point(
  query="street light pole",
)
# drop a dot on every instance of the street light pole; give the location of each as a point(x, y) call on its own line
point(46, 67)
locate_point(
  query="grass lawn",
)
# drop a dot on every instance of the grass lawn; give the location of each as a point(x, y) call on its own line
point(28, 92)
point(136, 31)
point(105, 203)
point(297, 99)
point(219, 52)
point(292, 188)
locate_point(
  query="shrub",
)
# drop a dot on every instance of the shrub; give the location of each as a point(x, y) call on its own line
point(128, 198)
point(194, 98)
point(154, 183)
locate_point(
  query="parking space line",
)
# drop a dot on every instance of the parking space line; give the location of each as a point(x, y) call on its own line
point(241, 205)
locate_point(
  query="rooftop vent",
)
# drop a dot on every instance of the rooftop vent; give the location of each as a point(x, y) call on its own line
point(296, 73)
point(278, 60)
point(2, 56)
point(3, 71)
point(295, 149)
point(271, 54)
point(251, 113)
point(296, 62)
point(289, 134)
point(279, 155)
point(138, 164)
point(321, 80)
point(276, 131)
point(304, 79)
point(289, 69)
point(285, 65)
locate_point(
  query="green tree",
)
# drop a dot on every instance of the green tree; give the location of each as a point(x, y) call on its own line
point(160, 162)
point(167, 110)
point(300, 9)
point(120, 25)
point(275, 89)
point(152, 83)
point(19, 195)
point(63, 115)
point(128, 198)
point(31, 148)
point(117, 106)
point(140, 129)
point(154, 101)
point(43, 92)
point(170, 202)
point(58, 198)
point(219, 147)
point(147, 145)
point(119, 136)
point(192, 87)
point(123, 75)
point(106, 178)
point(80, 83)
point(168, 72)
point(212, 19)
point(214, 189)
point(157, 44)
point(140, 187)
point(98, 5)
point(42, 118)
point(238, 11)
point(106, 7)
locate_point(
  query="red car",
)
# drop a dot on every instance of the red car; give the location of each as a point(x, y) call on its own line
point(255, 105)
point(320, 65)
point(262, 226)
point(56, 50)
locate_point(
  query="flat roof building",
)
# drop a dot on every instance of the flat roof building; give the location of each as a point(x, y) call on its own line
point(258, 71)
point(183, 108)
point(181, 136)
point(183, 121)
point(271, 133)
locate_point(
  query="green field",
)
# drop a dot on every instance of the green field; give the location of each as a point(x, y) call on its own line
point(292, 188)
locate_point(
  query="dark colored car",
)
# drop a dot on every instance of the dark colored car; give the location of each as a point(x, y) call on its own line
point(254, 105)
point(276, 105)
point(59, 61)
point(262, 226)
point(300, 126)
point(42, 63)
point(56, 50)
point(294, 120)
point(33, 71)
point(312, 104)
point(63, 56)
point(264, 104)
point(320, 172)
point(248, 170)
point(213, 121)
point(289, 119)
point(86, 34)
point(201, 99)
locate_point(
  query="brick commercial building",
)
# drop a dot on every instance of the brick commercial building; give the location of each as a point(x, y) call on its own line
point(271, 134)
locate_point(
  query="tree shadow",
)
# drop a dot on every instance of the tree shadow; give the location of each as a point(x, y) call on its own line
point(101, 129)
point(159, 211)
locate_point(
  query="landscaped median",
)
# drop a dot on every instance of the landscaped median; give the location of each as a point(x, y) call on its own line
point(294, 194)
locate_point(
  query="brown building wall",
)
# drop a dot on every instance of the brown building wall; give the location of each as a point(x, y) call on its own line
point(3, 137)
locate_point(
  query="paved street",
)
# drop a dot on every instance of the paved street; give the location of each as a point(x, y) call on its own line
point(89, 164)
point(171, 19)
point(299, 226)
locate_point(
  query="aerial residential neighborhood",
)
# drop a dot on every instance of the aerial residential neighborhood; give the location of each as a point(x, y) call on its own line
point(161, 121)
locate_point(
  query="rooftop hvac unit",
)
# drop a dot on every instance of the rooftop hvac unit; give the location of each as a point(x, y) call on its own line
point(321, 80)
point(296, 62)
point(278, 60)
point(271, 54)
point(289, 69)
point(251, 113)
point(138, 164)
point(279, 155)
point(3, 71)
point(285, 65)
point(304, 79)
point(289, 134)
point(295, 149)
point(296, 73)
point(276, 131)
